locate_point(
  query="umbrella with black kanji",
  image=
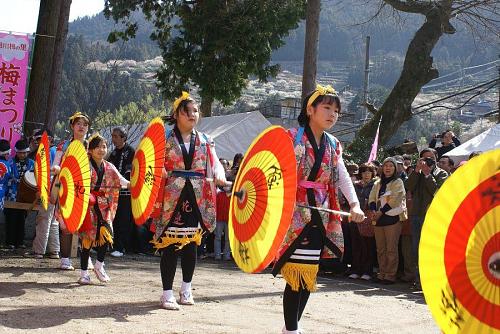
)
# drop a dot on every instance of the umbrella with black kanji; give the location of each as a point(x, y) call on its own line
point(459, 256)
point(147, 168)
point(74, 186)
point(263, 200)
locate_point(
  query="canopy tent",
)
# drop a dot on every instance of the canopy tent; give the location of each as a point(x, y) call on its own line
point(232, 133)
point(486, 141)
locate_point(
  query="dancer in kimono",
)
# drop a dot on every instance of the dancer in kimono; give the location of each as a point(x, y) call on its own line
point(185, 208)
point(79, 124)
point(97, 228)
point(312, 233)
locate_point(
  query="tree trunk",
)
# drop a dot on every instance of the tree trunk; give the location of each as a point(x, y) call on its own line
point(206, 106)
point(41, 66)
point(311, 47)
point(417, 71)
point(57, 64)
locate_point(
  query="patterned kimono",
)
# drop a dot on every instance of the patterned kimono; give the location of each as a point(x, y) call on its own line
point(186, 201)
point(312, 234)
point(97, 228)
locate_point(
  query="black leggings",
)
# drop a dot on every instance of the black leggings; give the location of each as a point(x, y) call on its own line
point(294, 303)
point(85, 254)
point(168, 264)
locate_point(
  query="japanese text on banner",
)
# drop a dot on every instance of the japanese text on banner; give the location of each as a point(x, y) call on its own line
point(14, 58)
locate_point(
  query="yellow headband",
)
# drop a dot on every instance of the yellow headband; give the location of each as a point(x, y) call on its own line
point(320, 91)
point(95, 135)
point(78, 115)
point(183, 97)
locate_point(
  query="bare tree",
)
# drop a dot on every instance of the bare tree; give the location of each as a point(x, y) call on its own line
point(311, 47)
point(481, 17)
point(57, 64)
point(40, 75)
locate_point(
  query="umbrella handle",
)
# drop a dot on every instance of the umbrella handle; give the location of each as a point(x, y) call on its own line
point(336, 212)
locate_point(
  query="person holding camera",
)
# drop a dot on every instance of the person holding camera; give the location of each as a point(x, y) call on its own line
point(448, 142)
point(423, 184)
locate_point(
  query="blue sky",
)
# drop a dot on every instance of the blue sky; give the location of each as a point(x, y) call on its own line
point(22, 15)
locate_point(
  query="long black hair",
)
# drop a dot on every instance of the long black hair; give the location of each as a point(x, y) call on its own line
point(303, 119)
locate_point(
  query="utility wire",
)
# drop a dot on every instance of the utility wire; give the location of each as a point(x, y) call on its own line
point(457, 94)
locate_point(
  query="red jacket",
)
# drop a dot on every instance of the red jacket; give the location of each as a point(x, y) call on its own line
point(222, 207)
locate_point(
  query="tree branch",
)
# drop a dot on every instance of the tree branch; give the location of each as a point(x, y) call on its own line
point(371, 108)
point(419, 7)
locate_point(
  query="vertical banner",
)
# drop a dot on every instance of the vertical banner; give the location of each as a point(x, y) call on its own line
point(14, 59)
point(373, 153)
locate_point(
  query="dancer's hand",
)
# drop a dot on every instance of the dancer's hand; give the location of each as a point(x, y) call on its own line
point(357, 215)
point(55, 170)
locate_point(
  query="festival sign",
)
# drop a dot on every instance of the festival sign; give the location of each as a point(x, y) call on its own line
point(14, 58)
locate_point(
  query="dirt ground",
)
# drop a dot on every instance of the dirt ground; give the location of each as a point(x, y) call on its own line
point(37, 298)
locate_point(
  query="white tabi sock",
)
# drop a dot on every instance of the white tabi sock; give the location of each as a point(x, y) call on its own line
point(98, 264)
point(185, 286)
point(168, 295)
point(84, 273)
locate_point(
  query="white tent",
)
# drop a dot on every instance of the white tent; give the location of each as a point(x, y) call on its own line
point(486, 141)
point(233, 133)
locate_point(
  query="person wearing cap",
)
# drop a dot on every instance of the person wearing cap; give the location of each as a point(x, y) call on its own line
point(314, 234)
point(4, 168)
point(423, 184)
point(14, 218)
point(387, 205)
point(35, 142)
point(185, 206)
point(123, 224)
point(407, 161)
point(79, 124)
point(400, 168)
point(46, 239)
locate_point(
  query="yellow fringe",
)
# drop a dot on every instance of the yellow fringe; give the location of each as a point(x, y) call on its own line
point(104, 237)
point(181, 241)
point(300, 275)
point(87, 243)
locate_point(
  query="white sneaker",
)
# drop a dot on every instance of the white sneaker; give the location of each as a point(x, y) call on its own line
point(116, 253)
point(84, 280)
point(284, 331)
point(90, 266)
point(66, 264)
point(366, 277)
point(169, 304)
point(354, 276)
point(186, 298)
point(100, 272)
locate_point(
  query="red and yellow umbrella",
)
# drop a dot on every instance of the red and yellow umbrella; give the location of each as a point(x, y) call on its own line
point(459, 256)
point(42, 170)
point(74, 189)
point(147, 168)
point(263, 200)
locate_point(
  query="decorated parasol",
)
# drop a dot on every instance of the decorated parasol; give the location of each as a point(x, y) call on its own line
point(147, 168)
point(263, 200)
point(42, 170)
point(459, 255)
point(74, 186)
